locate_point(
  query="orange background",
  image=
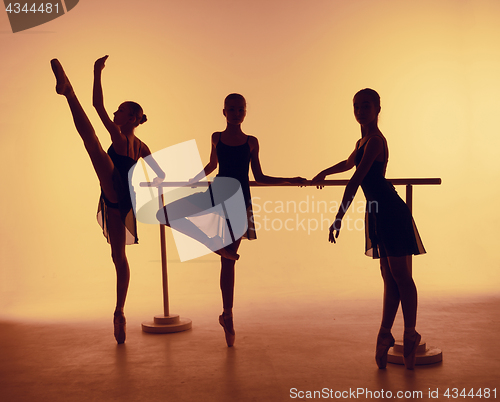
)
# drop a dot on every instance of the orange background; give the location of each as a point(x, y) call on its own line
point(435, 64)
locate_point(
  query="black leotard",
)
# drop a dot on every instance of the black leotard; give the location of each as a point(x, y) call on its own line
point(389, 226)
point(122, 164)
point(234, 161)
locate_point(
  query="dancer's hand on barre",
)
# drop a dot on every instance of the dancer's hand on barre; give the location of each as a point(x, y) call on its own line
point(156, 181)
point(336, 225)
point(193, 180)
point(319, 177)
point(99, 63)
point(297, 180)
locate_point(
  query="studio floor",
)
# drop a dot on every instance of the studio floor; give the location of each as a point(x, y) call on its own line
point(280, 350)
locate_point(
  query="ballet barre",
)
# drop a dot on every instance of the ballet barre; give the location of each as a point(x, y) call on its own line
point(409, 183)
point(168, 323)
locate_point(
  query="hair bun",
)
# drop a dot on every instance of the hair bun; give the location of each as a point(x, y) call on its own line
point(144, 119)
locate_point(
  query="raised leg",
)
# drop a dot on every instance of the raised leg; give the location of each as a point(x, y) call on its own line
point(101, 161)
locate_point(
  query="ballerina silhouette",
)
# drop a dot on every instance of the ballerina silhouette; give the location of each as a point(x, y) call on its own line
point(115, 212)
point(391, 234)
point(234, 152)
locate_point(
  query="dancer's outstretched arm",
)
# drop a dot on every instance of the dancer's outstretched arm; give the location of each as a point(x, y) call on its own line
point(98, 103)
point(146, 155)
point(257, 169)
point(340, 167)
point(212, 164)
point(373, 148)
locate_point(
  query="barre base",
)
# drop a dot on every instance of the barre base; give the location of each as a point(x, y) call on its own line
point(167, 324)
point(425, 354)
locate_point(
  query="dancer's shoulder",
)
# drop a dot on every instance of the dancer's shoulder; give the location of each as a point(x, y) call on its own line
point(253, 143)
point(216, 137)
point(252, 139)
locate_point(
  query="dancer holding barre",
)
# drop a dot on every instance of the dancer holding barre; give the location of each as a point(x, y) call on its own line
point(115, 212)
point(391, 234)
point(233, 151)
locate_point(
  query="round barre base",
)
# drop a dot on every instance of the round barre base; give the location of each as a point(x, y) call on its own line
point(425, 355)
point(166, 324)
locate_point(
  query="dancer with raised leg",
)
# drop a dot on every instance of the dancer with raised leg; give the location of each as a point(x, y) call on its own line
point(391, 234)
point(115, 212)
point(233, 151)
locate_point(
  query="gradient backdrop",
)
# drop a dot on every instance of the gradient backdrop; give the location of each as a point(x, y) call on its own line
point(435, 63)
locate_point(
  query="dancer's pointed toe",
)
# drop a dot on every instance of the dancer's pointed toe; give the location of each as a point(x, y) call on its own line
point(226, 321)
point(63, 87)
point(384, 343)
point(410, 345)
point(119, 323)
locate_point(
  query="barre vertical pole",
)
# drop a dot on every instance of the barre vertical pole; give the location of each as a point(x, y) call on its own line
point(166, 323)
point(409, 197)
point(163, 246)
point(409, 202)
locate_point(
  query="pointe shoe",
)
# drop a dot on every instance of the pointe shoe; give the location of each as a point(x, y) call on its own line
point(227, 323)
point(63, 87)
point(384, 343)
point(217, 246)
point(410, 350)
point(119, 324)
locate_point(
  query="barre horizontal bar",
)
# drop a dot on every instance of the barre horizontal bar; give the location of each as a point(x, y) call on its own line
point(342, 182)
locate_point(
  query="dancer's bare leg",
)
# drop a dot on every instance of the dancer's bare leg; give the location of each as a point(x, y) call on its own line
point(396, 289)
point(227, 289)
point(101, 161)
point(402, 274)
point(227, 278)
point(117, 240)
point(103, 166)
point(391, 295)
